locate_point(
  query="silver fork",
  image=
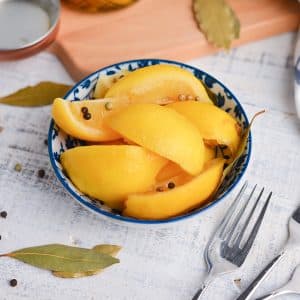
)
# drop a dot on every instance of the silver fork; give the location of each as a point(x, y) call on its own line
point(225, 253)
point(292, 287)
point(292, 243)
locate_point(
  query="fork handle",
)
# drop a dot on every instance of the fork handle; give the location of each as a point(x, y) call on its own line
point(274, 294)
point(246, 295)
point(266, 297)
point(197, 295)
point(205, 285)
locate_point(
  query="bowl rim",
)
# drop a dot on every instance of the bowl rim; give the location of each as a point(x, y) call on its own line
point(124, 219)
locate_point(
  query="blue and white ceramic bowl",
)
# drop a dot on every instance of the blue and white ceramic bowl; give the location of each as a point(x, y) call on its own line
point(58, 141)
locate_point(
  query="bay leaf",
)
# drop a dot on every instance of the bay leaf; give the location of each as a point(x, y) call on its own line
point(217, 20)
point(57, 257)
point(105, 248)
point(112, 250)
point(241, 146)
point(41, 94)
point(75, 274)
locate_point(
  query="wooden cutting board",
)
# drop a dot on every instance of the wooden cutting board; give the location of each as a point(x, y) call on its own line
point(158, 29)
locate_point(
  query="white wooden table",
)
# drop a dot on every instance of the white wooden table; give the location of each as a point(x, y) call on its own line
point(156, 263)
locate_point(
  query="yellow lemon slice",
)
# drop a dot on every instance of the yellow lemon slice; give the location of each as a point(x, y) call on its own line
point(178, 200)
point(214, 124)
point(163, 131)
point(110, 173)
point(171, 169)
point(158, 83)
point(84, 119)
point(105, 82)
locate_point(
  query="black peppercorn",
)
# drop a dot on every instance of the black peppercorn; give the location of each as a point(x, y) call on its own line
point(223, 147)
point(3, 214)
point(84, 110)
point(171, 185)
point(41, 173)
point(13, 282)
point(87, 116)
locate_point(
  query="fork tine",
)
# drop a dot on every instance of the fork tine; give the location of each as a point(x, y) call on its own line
point(231, 210)
point(238, 216)
point(256, 226)
point(240, 235)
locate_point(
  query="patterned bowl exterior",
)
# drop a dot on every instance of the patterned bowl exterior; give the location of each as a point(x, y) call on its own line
point(58, 141)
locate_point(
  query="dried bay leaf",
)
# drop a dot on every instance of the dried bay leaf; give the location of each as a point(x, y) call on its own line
point(241, 146)
point(217, 21)
point(76, 274)
point(57, 257)
point(41, 94)
point(106, 249)
point(112, 250)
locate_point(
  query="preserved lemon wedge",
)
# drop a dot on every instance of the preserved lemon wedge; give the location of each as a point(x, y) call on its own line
point(111, 172)
point(163, 131)
point(162, 205)
point(98, 5)
point(214, 124)
point(158, 83)
point(83, 119)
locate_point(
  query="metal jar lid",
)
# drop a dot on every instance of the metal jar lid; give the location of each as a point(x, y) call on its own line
point(27, 26)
